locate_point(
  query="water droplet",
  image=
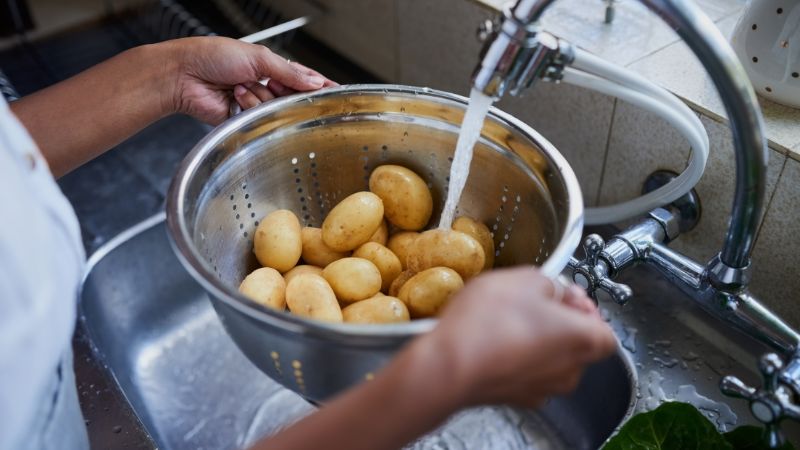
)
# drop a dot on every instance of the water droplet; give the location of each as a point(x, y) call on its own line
point(666, 362)
point(629, 342)
point(117, 429)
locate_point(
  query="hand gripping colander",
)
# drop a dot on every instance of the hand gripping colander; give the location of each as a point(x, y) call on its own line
point(307, 152)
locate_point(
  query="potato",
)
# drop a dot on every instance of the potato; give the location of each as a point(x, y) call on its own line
point(303, 268)
point(387, 262)
point(265, 286)
point(480, 233)
point(406, 198)
point(394, 289)
point(315, 252)
point(381, 234)
point(309, 295)
point(278, 243)
point(428, 291)
point(353, 221)
point(400, 243)
point(447, 248)
point(353, 279)
point(377, 309)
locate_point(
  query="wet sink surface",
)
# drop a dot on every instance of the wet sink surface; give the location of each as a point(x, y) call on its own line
point(191, 387)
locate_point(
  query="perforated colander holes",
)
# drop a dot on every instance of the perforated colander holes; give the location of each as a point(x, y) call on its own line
point(385, 150)
point(364, 158)
point(243, 211)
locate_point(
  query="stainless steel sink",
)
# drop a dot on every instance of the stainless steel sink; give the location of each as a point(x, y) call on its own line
point(191, 387)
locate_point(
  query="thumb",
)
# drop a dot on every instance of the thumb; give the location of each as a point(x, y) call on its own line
point(270, 65)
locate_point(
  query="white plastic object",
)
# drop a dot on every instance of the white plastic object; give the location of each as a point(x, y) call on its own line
point(681, 120)
point(767, 41)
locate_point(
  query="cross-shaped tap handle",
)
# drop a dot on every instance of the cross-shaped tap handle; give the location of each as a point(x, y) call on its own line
point(592, 273)
point(769, 404)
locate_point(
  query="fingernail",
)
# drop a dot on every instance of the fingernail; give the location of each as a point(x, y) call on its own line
point(315, 80)
point(239, 90)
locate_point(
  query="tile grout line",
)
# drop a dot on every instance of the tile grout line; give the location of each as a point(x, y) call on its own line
point(678, 39)
point(769, 201)
point(605, 155)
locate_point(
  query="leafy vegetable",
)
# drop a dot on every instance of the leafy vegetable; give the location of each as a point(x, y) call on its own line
point(679, 426)
point(749, 437)
point(671, 426)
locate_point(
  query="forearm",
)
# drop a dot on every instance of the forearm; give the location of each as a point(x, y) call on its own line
point(410, 397)
point(79, 118)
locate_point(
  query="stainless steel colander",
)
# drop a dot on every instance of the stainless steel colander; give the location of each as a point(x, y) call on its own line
point(307, 152)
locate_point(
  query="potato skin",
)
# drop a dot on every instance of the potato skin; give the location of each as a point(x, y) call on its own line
point(427, 292)
point(353, 279)
point(266, 287)
point(399, 281)
point(377, 309)
point(303, 268)
point(310, 296)
point(384, 259)
point(278, 242)
point(353, 221)
point(400, 245)
point(447, 248)
point(480, 232)
point(406, 198)
point(315, 252)
point(381, 234)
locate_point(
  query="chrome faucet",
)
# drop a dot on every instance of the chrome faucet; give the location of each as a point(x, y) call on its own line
point(517, 53)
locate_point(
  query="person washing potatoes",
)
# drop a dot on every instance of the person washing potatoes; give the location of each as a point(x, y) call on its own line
point(510, 336)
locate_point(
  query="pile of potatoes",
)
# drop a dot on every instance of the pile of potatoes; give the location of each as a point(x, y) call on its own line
point(354, 269)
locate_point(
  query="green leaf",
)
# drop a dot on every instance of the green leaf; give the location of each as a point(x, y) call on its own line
point(750, 437)
point(671, 426)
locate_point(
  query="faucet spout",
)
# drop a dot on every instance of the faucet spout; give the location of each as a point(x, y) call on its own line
point(509, 63)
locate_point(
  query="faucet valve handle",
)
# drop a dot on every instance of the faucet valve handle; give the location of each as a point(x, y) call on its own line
point(592, 273)
point(769, 404)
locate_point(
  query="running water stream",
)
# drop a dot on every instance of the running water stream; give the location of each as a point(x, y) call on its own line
point(467, 137)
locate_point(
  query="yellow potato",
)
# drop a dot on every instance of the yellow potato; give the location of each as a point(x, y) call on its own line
point(406, 198)
point(394, 289)
point(381, 234)
point(447, 248)
point(278, 243)
point(387, 262)
point(265, 286)
point(315, 251)
point(301, 269)
point(480, 233)
point(400, 243)
point(427, 292)
point(353, 221)
point(310, 296)
point(353, 279)
point(377, 309)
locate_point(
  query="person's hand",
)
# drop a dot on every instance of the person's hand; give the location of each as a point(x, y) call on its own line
point(212, 72)
point(513, 336)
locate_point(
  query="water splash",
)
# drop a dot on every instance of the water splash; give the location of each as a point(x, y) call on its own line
point(719, 413)
point(459, 171)
point(655, 394)
point(667, 363)
point(629, 343)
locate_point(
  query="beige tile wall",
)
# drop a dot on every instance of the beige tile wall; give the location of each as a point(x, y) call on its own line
point(777, 255)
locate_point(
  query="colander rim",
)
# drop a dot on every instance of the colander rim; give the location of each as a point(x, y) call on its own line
point(194, 263)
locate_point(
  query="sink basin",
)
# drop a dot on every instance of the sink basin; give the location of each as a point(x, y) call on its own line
point(192, 388)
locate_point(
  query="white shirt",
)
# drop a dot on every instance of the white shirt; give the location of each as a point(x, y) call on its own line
point(41, 264)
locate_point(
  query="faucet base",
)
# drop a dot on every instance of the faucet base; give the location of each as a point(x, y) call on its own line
point(687, 209)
